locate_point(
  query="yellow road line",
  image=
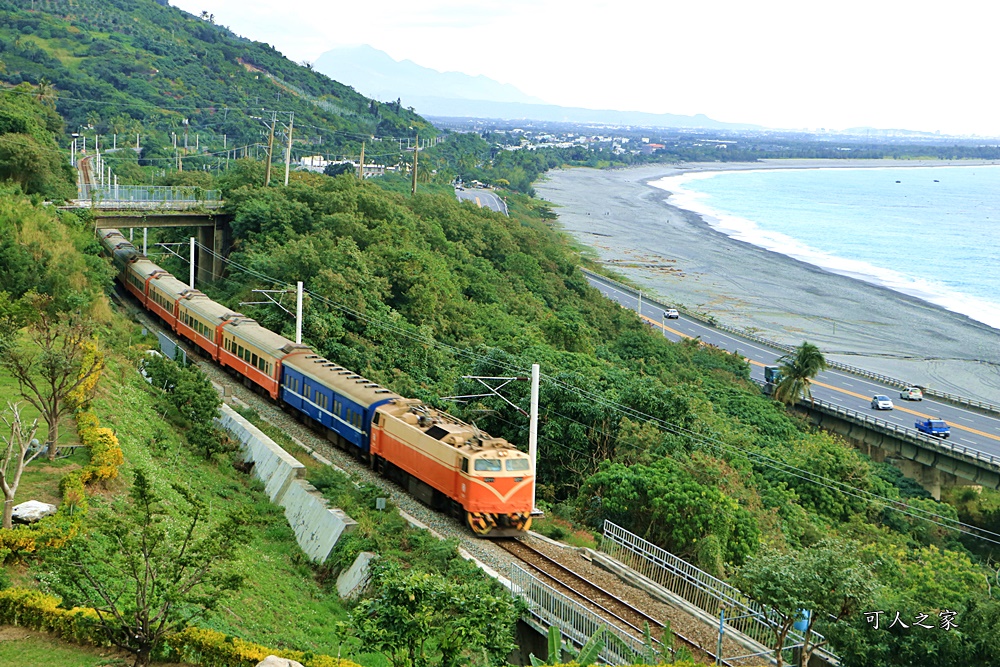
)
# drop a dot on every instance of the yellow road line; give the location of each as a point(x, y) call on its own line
point(663, 326)
point(479, 203)
point(842, 391)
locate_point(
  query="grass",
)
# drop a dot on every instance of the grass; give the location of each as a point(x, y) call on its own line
point(281, 603)
point(40, 480)
point(563, 530)
point(24, 647)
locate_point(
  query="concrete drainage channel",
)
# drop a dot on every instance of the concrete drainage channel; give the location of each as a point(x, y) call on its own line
point(317, 526)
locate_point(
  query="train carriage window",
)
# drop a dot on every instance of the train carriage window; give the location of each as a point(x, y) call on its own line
point(488, 465)
point(465, 464)
point(253, 358)
point(377, 419)
point(518, 464)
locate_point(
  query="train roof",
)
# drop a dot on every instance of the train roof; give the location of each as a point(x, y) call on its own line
point(449, 429)
point(143, 267)
point(251, 332)
point(199, 304)
point(345, 382)
point(169, 285)
point(112, 237)
point(114, 241)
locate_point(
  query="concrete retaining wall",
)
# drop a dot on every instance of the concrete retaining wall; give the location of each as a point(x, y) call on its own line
point(317, 527)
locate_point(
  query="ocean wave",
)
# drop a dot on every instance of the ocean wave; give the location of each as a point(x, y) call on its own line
point(748, 231)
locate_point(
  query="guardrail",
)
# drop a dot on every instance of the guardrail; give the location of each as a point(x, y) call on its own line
point(902, 432)
point(577, 623)
point(149, 196)
point(749, 335)
point(708, 593)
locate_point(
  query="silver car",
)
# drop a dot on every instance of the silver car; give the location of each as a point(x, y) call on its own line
point(881, 402)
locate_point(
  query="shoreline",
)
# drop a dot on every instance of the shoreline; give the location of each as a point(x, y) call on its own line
point(683, 192)
point(674, 253)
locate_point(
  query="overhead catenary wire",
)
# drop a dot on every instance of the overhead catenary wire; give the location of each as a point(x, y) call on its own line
point(697, 438)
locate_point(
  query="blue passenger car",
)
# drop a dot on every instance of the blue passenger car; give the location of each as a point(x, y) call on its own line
point(338, 398)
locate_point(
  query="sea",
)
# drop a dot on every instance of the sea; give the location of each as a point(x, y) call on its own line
point(930, 232)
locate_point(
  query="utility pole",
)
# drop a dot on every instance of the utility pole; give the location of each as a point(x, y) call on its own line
point(298, 312)
point(532, 415)
point(533, 431)
point(416, 149)
point(288, 149)
point(361, 171)
point(191, 272)
point(270, 148)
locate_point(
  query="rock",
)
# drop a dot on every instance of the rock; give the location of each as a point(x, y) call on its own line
point(275, 661)
point(32, 511)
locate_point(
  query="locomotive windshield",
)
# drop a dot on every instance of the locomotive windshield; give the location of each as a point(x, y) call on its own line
point(488, 465)
point(518, 464)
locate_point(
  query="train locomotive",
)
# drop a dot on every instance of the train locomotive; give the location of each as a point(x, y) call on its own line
point(442, 461)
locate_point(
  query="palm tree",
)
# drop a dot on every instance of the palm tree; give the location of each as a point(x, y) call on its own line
point(797, 371)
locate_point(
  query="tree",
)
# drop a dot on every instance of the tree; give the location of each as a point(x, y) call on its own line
point(54, 363)
point(338, 169)
point(414, 613)
point(147, 574)
point(828, 579)
point(797, 371)
point(17, 455)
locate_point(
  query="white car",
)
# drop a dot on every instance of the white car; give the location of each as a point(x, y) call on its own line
point(671, 314)
point(912, 394)
point(881, 402)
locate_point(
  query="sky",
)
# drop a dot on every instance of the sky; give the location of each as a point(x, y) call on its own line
point(796, 65)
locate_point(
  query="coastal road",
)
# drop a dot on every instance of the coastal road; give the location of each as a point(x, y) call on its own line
point(482, 197)
point(968, 428)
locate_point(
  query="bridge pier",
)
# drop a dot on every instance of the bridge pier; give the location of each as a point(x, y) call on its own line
point(213, 246)
point(214, 236)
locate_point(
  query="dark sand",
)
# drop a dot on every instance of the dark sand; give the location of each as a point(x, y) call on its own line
point(677, 257)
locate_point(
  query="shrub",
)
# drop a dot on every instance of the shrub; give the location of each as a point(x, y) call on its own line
point(210, 648)
point(38, 611)
point(105, 452)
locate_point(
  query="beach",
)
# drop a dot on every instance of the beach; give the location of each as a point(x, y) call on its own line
point(675, 256)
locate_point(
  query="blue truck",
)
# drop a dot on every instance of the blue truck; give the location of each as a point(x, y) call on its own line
point(936, 427)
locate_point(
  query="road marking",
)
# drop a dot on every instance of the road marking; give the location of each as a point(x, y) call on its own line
point(908, 411)
point(900, 408)
point(829, 386)
point(479, 203)
point(663, 326)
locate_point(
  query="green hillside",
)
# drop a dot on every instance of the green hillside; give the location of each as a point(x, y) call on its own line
point(670, 440)
point(133, 66)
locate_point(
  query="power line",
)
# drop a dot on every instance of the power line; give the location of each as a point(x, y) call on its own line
point(697, 438)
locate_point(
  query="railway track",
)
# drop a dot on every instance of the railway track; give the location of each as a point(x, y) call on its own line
point(617, 611)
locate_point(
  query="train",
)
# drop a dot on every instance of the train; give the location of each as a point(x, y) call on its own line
point(442, 461)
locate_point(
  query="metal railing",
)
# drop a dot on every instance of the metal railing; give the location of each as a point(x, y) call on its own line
point(149, 196)
point(699, 588)
point(749, 335)
point(578, 624)
point(902, 432)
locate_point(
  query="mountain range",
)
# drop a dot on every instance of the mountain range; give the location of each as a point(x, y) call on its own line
point(430, 92)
